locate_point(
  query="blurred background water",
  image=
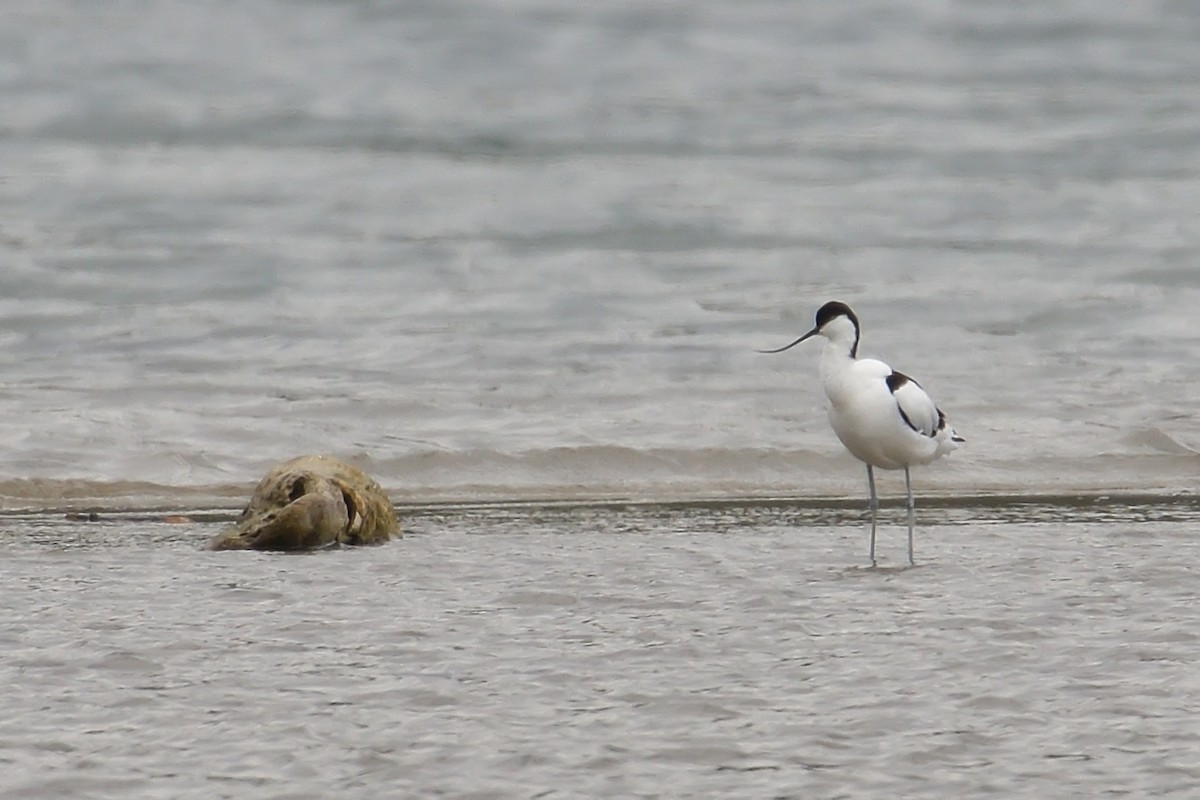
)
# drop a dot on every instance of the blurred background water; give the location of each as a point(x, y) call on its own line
point(524, 249)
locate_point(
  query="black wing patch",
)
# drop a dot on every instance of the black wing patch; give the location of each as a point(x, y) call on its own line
point(898, 380)
point(894, 382)
point(954, 437)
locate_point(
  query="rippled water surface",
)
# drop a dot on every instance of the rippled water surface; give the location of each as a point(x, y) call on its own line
point(514, 258)
point(503, 250)
point(685, 651)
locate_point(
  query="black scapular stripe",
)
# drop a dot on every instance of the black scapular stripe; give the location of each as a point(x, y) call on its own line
point(894, 382)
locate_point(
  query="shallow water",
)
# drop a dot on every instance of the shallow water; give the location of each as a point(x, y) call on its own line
point(636, 651)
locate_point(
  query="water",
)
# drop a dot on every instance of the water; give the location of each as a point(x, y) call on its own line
point(602, 651)
point(511, 255)
point(498, 250)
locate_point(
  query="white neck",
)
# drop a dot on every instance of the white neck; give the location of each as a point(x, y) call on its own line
point(835, 357)
point(843, 334)
point(841, 340)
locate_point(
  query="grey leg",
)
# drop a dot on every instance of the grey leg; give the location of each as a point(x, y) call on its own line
point(911, 507)
point(873, 505)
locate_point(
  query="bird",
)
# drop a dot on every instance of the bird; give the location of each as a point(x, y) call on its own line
point(883, 417)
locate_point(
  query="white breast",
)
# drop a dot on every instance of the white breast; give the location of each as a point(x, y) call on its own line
point(871, 420)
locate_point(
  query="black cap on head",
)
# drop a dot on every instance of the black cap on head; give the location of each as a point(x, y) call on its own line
point(830, 311)
point(834, 309)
